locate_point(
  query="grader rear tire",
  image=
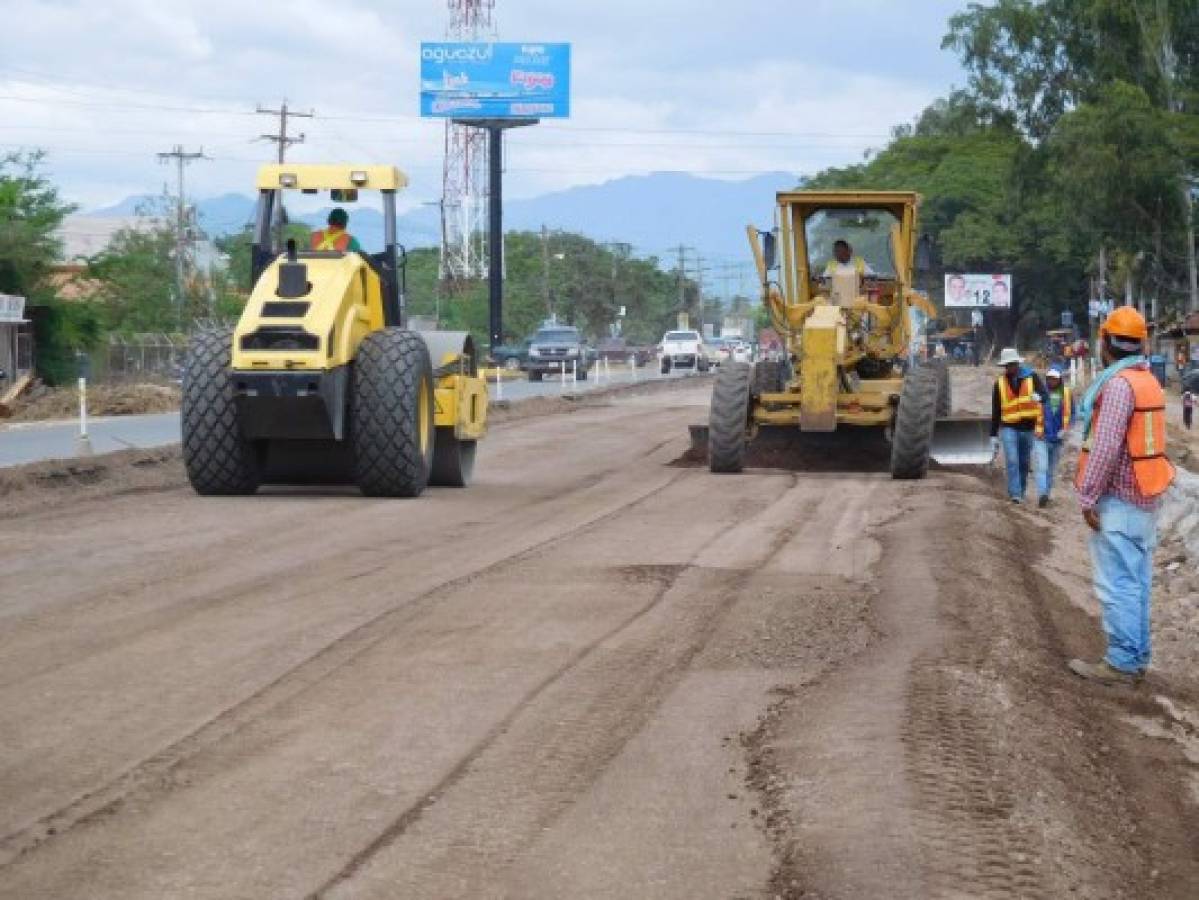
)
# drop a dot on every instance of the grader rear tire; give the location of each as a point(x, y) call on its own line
point(944, 388)
point(728, 418)
point(453, 460)
point(770, 377)
point(915, 421)
point(392, 414)
point(218, 459)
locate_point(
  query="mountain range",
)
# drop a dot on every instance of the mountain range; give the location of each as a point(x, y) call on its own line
point(653, 213)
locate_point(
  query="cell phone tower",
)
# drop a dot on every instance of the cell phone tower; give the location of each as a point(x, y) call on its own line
point(464, 176)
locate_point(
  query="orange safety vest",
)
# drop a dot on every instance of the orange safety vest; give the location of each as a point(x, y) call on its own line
point(1067, 409)
point(1019, 407)
point(1146, 439)
point(329, 239)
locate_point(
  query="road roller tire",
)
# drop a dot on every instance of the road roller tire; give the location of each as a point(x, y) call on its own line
point(218, 459)
point(453, 460)
point(392, 414)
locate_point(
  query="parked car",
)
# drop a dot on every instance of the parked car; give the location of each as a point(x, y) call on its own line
point(618, 350)
point(555, 348)
point(511, 356)
point(683, 350)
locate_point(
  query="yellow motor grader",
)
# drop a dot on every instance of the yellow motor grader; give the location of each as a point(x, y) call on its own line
point(321, 381)
point(843, 299)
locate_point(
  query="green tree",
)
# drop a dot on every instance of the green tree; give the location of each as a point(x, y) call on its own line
point(135, 275)
point(1055, 68)
point(31, 212)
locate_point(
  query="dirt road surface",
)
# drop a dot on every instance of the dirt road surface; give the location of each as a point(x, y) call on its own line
point(595, 673)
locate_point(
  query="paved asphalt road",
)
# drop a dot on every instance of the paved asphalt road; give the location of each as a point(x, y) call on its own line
point(26, 442)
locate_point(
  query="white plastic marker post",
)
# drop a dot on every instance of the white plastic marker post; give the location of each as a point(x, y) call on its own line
point(83, 444)
point(633, 368)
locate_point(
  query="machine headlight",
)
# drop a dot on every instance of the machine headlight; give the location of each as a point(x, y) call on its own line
point(287, 180)
point(573, 351)
point(358, 178)
point(533, 351)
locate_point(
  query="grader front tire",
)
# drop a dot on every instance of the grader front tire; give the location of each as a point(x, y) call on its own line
point(915, 421)
point(729, 417)
point(392, 414)
point(218, 459)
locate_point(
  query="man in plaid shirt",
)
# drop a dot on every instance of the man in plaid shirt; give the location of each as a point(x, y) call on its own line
point(1119, 504)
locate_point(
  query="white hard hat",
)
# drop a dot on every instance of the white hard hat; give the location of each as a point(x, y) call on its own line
point(1009, 355)
point(1055, 372)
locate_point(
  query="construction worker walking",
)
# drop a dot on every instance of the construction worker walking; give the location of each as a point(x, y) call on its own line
point(1015, 412)
point(1122, 473)
point(1057, 414)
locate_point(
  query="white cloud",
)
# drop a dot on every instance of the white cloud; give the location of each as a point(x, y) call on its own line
point(104, 86)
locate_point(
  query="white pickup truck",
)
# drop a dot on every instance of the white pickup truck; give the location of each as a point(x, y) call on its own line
point(682, 350)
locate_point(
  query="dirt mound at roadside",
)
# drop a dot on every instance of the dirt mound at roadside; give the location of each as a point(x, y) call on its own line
point(41, 402)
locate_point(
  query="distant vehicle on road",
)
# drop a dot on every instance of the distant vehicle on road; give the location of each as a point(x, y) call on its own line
point(618, 350)
point(557, 348)
point(683, 350)
point(511, 356)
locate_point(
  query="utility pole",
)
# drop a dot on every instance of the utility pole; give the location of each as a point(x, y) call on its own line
point(545, 270)
point(682, 251)
point(181, 159)
point(282, 139)
point(700, 271)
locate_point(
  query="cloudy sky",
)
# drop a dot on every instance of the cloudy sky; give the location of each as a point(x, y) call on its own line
point(727, 89)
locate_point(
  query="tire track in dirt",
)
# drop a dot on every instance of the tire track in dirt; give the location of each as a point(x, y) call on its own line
point(320, 569)
point(1029, 786)
point(151, 775)
point(549, 750)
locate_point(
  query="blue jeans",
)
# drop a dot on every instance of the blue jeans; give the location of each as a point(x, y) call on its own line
point(1122, 555)
point(1017, 458)
point(1046, 454)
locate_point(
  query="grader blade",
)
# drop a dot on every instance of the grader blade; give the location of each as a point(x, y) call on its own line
point(962, 441)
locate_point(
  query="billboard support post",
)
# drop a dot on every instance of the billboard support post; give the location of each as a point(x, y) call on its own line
point(495, 214)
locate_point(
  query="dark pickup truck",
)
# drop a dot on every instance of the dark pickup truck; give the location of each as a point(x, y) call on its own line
point(556, 348)
point(511, 356)
point(618, 350)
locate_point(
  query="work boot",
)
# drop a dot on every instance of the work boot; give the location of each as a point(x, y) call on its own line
point(1103, 673)
point(1043, 503)
point(1018, 500)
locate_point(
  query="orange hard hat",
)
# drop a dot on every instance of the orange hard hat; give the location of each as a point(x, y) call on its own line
point(1125, 322)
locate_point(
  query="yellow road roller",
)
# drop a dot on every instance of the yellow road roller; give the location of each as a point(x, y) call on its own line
point(321, 381)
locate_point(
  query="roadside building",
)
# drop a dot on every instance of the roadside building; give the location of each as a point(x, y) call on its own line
point(16, 342)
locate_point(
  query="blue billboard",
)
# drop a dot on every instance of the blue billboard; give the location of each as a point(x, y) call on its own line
point(495, 81)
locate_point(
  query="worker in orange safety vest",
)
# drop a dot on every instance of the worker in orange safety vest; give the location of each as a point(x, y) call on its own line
point(335, 237)
point(1122, 474)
